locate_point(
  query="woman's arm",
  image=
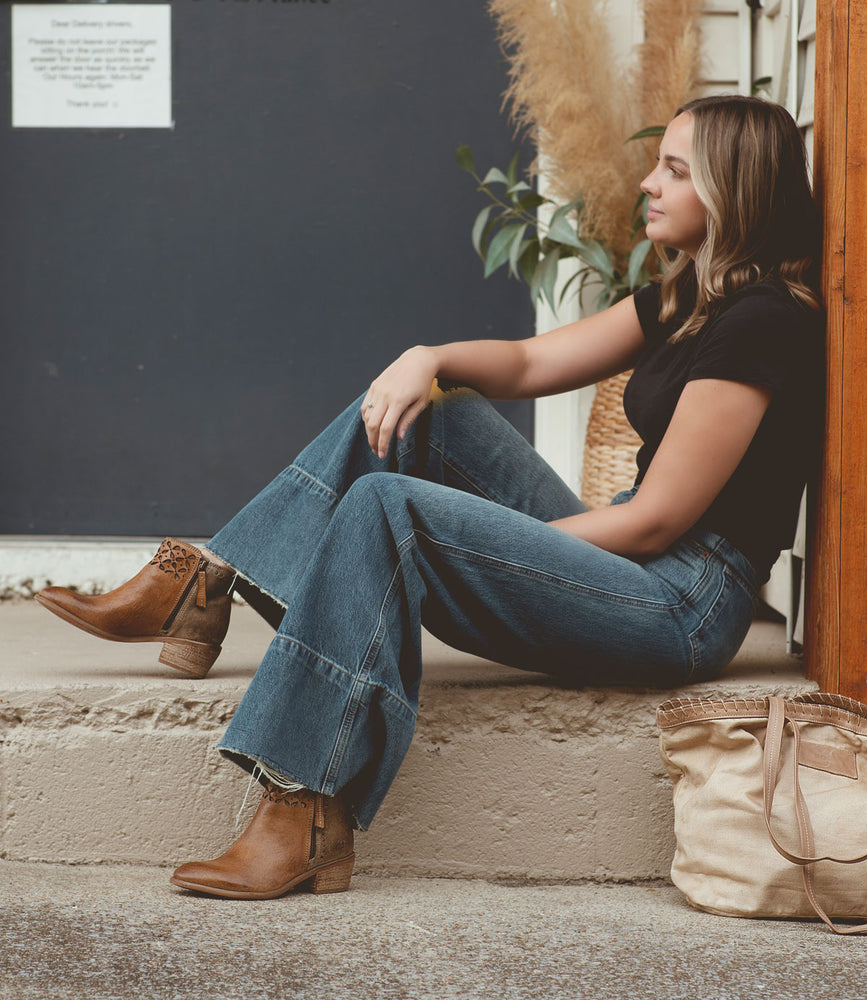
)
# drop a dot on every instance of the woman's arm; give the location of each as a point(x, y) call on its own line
point(575, 355)
point(572, 356)
point(712, 426)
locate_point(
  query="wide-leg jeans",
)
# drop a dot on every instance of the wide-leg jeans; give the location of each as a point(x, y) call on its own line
point(448, 532)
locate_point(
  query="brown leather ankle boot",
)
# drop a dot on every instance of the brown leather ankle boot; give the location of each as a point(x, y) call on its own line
point(294, 838)
point(179, 599)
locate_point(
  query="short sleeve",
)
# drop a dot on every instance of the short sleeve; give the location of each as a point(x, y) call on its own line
point(751, 340)
point(647, 302)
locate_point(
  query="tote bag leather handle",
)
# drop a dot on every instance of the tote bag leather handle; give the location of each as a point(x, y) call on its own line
point(772, 761)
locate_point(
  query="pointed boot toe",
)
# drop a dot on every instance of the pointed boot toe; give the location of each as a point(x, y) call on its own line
point(204, 876)
point(179, 599)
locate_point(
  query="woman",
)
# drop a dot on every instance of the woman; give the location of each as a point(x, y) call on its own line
point(431, 510)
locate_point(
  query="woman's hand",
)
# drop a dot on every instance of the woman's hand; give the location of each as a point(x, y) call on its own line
point(578, 354)
point(397, 396)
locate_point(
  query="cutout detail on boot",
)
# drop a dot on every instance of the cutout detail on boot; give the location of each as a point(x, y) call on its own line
point(175, 559)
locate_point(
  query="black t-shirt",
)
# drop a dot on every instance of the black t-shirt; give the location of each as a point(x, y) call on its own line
point(759, 335)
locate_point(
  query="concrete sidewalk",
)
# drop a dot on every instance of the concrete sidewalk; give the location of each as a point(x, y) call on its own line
point(123, 933)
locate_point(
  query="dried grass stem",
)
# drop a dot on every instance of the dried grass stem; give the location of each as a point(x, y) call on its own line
point(569, 92)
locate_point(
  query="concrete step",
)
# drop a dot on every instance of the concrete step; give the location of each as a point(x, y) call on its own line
point(108, 756)
point(123, 933)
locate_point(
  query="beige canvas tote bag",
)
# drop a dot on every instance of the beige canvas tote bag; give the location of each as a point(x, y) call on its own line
point(770, 805)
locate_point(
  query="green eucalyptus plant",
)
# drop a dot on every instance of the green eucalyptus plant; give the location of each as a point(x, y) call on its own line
point(512, 231)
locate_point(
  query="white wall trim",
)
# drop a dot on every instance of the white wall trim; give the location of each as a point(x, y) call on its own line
point(92, 565)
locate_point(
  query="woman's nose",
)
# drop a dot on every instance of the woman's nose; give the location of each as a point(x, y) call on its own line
point(649, 185)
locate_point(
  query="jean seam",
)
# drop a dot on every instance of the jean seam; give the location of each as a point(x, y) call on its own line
point(312, 479)
point(292, 641)
point(751, 588)
point(712, 610)
point(353, 702)
point(463, 474)
point(713, 552)
point(686, 599)
point(403, 455)
point(459, 471)
point(517, 569)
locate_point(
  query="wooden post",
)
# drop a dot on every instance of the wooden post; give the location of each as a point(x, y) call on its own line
point(836, 622)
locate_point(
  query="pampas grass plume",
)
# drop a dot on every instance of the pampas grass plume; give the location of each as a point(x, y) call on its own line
point(570, 93)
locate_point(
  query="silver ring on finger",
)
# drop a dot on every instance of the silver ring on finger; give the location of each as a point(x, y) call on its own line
point(370, 404)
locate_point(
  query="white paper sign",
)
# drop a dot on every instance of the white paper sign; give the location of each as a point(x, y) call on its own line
point(88, 66)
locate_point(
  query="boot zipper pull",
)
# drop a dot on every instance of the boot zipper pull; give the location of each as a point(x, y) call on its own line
point(202, 593)
point(319, 813)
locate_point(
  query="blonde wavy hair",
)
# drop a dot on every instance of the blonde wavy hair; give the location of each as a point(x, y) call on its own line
point(749, 169)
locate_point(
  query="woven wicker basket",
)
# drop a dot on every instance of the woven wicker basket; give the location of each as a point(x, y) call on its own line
point(610, 447)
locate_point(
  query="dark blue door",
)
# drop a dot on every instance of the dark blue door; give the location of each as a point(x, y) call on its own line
point(183, 308)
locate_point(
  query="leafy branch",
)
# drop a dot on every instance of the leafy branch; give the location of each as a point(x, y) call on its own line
point(512, 231)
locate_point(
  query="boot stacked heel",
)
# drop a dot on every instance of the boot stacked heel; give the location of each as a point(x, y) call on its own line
point(333, 878)
point(192, 658)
